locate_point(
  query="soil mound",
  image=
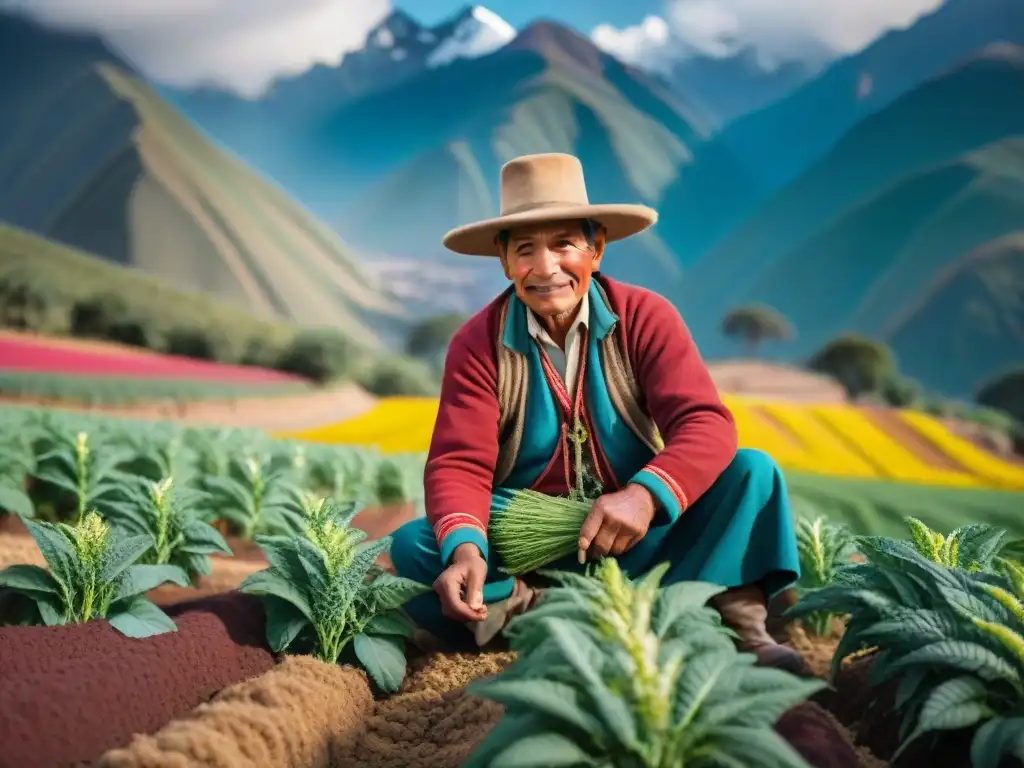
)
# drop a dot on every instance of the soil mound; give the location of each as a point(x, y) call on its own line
point(71, 693)
point(431, 722)
point(301, 714)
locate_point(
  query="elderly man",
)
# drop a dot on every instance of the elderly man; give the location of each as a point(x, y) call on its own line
point(570, 380)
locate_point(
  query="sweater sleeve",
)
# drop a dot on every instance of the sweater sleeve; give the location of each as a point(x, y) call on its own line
point(459, 473)
point(697, 428)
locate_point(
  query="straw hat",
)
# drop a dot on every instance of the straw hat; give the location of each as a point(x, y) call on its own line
point(546, 187)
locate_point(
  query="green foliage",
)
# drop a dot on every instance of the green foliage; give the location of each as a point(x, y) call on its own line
point(429, 338)
point(823, 548)
point(1005, 393)
point(258, 496)
point(389, 376)
point(324, 583)
point(756, 323)
point(92, 573)
point(952, 637)
point(535, 529)
point(399, 478)
point(973, 547)
point(17, 464)
point(170, 516)
point(618, 673)
point(861, 365)
point(320, 354)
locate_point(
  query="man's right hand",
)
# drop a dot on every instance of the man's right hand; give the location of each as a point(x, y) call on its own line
point(461, 585)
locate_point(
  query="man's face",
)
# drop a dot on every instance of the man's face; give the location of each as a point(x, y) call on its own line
point(551, 264)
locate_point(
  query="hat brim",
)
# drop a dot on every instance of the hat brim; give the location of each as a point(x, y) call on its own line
point(620, 221)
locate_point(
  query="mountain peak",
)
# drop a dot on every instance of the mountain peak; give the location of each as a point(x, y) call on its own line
point(473, 32)
point(558, 43)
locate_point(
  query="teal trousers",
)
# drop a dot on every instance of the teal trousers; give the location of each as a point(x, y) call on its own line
point(739, 532)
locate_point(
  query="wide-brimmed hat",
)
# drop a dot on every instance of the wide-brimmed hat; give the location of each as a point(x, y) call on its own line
point(546, 187)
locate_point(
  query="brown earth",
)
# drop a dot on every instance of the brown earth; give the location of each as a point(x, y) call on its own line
point(752, 378)
point(71, 693)
point(301, 714)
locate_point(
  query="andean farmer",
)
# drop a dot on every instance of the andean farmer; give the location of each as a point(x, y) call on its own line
point(567, 353)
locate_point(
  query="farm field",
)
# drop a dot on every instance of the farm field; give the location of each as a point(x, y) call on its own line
point(830, 439)
point(41, 355)
point(219, 661)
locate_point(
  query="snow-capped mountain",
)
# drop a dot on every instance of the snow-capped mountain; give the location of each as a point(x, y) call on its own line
point(475, 32)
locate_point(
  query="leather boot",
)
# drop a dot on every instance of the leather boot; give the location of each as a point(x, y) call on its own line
point(744, 610)
point(522, 599)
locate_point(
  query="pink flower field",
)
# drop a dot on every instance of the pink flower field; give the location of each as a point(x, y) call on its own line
point(60, 356)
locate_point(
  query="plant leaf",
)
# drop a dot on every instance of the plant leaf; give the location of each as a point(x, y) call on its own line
point(551, 699)
point(121, 553)
point(391, 623)
point(383, 657)
point(542, 750)
point(203, 539)
point(30, 580)
point(999, 737)
point(284, 622)
point(139, 579)
point(56, 550)
point(267, 582)
point(17, 501)
point(140, 618)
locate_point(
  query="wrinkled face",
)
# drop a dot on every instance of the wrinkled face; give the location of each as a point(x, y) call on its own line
point(551, 264)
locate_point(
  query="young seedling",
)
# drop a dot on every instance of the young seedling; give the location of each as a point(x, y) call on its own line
point(823, 548)
point(86, 467)
point(952, 638)
point(626, 674)
point(92, 573)
point(265, 500)
point(324, 584)
point(171, 516)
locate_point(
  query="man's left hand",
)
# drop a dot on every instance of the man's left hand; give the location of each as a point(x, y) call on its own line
point(616, 522)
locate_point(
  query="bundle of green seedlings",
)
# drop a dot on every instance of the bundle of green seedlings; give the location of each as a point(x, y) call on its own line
point(322, 592)
point(612, 672)
point(823, 548)
point(944, 616)
point(93, 572)
point(534, 530)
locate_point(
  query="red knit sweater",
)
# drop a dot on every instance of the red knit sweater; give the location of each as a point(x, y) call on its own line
point(698, 430)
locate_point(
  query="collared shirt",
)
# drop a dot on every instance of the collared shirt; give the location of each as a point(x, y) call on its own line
point(566, 361)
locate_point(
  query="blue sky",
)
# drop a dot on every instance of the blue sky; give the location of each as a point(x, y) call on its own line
point(584, 15)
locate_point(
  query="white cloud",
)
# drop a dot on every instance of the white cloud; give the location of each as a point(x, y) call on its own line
point(778, 30)
point(649, 44)
point(241, 45)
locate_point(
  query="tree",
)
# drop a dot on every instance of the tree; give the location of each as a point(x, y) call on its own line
point(1005, 393)
point(863, 366)
point(429, 338)
point(754, 324)
point(390, 376)
point(94, 316)
point(24, 303)
point(320, 354)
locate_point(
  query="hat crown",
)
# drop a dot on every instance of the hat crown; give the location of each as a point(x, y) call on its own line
point(541, 181)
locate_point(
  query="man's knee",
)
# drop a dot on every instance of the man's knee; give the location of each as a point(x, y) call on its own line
point(414, 552)
point(755, 472)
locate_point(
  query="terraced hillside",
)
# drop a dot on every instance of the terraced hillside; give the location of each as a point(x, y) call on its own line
point(92, 157)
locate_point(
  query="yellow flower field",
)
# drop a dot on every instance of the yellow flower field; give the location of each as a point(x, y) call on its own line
point(830, 439)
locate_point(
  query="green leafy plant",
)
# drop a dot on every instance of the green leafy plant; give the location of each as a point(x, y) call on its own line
point(618, 673)
point(85, 466)
point(534, 530)
point(17, 463)
point(952, 637)
point(93, 573)
point(169, 515)
point(324, 584)
point(973, 547)
point(265, 500)
point(823, 548)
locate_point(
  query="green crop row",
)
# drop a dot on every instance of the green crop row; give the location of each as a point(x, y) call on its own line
point(122, 390)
